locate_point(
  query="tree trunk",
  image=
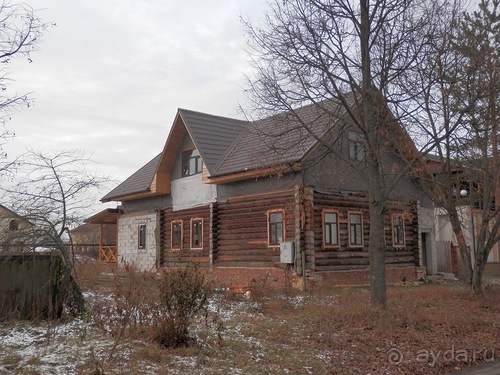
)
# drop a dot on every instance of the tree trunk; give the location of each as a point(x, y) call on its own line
point(477, 278)
point(371, 124)
point(378, 286)
point(462, 245)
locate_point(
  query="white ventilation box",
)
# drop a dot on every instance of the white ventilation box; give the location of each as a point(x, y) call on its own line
point(287, 250)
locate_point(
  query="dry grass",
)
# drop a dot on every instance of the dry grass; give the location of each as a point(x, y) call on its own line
point(427, 329)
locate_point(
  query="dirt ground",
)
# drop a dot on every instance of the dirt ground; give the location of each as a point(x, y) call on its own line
point(433, 327)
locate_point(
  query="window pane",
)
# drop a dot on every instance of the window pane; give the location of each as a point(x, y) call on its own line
point(355, 229)
point(196, 233)
point(275, 228)
point(141, 236)
point(398, 230)
point(199, 166)
point(275, 217)
point(191, 163)
point(176, 235)
point(330, 229)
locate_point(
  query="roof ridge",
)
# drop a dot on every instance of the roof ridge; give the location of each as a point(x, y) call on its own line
point(211, 115)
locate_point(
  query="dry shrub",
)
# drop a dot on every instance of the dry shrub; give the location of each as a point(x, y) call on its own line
point(90, 272)
point(184, 294)
point(128, 309)
point(157, 307)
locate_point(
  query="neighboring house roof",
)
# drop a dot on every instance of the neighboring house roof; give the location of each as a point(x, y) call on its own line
point(139, 182)
point(7, 213)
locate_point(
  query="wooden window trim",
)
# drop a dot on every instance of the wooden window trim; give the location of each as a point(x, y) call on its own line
point(200, 219)
point(172, 223)
point(283, 226)
point(393, 230)
point(323, 214)
point(141, 240)
point(349, 213)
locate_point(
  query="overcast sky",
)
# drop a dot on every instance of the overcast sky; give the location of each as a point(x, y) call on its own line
point(110, 76)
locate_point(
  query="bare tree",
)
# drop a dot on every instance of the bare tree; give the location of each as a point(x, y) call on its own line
point(53, 191)
point(356, 53)
point(459, 92)
point(20, 33)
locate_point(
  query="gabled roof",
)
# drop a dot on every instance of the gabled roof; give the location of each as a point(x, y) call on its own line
point(8, 213)
point(230, 146)
point(139, 182)
point(280, 139)
point(212, 135)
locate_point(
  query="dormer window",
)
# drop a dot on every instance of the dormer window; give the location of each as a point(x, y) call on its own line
point(356, 147)
point(191, 163)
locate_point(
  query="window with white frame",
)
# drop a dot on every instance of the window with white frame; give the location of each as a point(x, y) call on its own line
point(276, 229)
point(330, 228)
point(141, 235)
point(355, 229)
point(196, 233)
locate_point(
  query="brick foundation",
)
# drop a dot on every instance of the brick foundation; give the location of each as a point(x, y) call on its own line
point(279, 277)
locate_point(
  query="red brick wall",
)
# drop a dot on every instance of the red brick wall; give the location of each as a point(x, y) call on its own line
point(278, 277)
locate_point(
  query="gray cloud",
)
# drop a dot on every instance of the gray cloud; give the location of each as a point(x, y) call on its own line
point(110, 77)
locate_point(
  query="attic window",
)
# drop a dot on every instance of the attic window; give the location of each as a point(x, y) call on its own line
point(356, 147)
point(13, 225)
point(191, 163)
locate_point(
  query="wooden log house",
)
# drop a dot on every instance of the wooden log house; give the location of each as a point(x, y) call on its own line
point(226, 193)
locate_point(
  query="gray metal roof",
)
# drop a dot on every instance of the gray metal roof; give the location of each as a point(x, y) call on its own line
point(139, 182)
point(229, 145)
point(212, 135)
point(280, 139)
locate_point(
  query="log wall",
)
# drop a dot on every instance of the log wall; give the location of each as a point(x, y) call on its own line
point(185, 255)
point(235, 232)
point(241, 231)
point(345, 257)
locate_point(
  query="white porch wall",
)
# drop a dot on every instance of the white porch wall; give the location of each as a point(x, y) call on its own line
point(190, 192)
point(426, 225)
point(128, 240)
point(444, 231)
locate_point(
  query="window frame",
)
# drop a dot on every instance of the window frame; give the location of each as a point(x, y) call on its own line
point(324, 212)
point(355, 146)
point(401, 229)
point(350, 232)
point(198, 162)
point(172, 224)
point(272, 225)
point(141, 236)
point(192, 221)
point(13, 225)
